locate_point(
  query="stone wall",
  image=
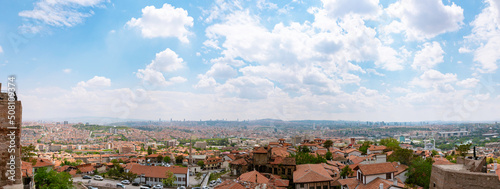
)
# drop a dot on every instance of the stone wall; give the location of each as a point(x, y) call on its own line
point(450, 179)
point(5, 142)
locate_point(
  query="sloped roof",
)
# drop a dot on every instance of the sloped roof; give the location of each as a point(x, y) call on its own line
point(260, 150)
point(377, 168)
point(40, 162)
point(311, 173)
point(350, 182)
point(229, 184)
point(399, 167)
point(240, 161)
point(376, 148)
point(253, 176)
point(283, 161)
point(375, 183)
point(156, 171)
point(27, 169)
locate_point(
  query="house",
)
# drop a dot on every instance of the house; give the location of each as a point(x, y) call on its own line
point(213, 163)
point(375, 149)
point(86, 169)
point(155, 174)
point(311, 176)
point(366, 173)
point(28, 176)
point(40, 162)
point(352, 152)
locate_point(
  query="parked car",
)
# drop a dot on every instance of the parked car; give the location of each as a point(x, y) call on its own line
point(196, 188)
point(181, 187)
point(148, 185)
point(135, 184)
point(97, 177)
point(120, 185)
point(86, 177)
point(158, 186)
point(144, 187)
point(125, 182)
point(91, 187)
point(204, 187)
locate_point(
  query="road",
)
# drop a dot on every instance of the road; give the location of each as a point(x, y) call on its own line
point(112, 183)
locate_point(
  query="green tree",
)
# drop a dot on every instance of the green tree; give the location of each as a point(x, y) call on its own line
point(307, 158)
point(304, 149)
point(178, 159)
point(169, 181)
point(45, 179)
point(390, 143)
point(404, 156)
point(201, 164)
point(434, 153)
point(419, 172)
point(167, 159)
point(150, 151)
point(364, 148)
point(160, 158)
point(27, 152)
point(328, 144)
point(346, 171)
point(463, 149)
point(129, 176)
point(328, 155)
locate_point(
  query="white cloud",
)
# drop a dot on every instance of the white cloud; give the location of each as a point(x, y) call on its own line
point(424, 19)
point(434, 78)
point(221, 71)
point(468, 83)
point(58, 13)
point(485, 35)
point(430, 55)
point(67, 71)
point(373, 71)
point(167, 21)
point(464, 50)
point(165, 61)
point(96, 81)
point(263, 4)
point(340, 8)
point(1, 49)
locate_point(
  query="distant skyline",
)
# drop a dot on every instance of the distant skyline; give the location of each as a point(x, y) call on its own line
point(367, 60)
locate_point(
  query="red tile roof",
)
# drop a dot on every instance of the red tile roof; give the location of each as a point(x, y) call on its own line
point(40, 162)
point(229, 184)
point(377, 168)
point(311, 173)
point(253, 176)
point(240, 161)
point(350, 182)
point(27, 169)
point(155, 171)
point(399, 167)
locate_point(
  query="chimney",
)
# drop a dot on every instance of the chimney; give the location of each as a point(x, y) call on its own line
point(381, 185)
point(395, 182)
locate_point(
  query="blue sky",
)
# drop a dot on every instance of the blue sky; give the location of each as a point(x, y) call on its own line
point(398, 60)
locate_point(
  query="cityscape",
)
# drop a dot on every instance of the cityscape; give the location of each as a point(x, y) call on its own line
point(259, 94)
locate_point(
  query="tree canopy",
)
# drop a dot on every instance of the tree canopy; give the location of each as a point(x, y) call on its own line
point(169, 181)
point(419, 172)
point(346, 171)
point(328, 144)
point(45, 179)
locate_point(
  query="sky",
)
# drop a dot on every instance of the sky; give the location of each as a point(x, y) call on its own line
point(367, 60)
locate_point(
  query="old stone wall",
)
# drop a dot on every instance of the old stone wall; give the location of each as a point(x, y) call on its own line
point(10, 144)
point(450, 179)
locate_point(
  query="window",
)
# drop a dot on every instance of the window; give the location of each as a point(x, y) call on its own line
point(325, 187)
point(318, 187)
point(302, 185)
point(388, 176)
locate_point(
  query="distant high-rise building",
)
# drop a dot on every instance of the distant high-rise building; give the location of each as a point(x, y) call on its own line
point(10, 143)
point(65, 122)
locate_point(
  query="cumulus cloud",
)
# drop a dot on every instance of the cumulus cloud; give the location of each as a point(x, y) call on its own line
point(96, 81)
point(339, 8)
point(67, 13)
point(468, 83)
point(165, 61)
point(430, 55)
point(166, 21)
point(424, 19)
point(434, 78)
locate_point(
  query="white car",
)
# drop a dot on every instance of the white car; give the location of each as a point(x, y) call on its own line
point(158, 186)
point(181, 187)
point(97, 177)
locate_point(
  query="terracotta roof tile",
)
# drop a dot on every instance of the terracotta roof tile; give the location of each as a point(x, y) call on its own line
point(310, 173)
point(253, 176)
point(350, 182)
point(377, 168)
point(156, 171)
